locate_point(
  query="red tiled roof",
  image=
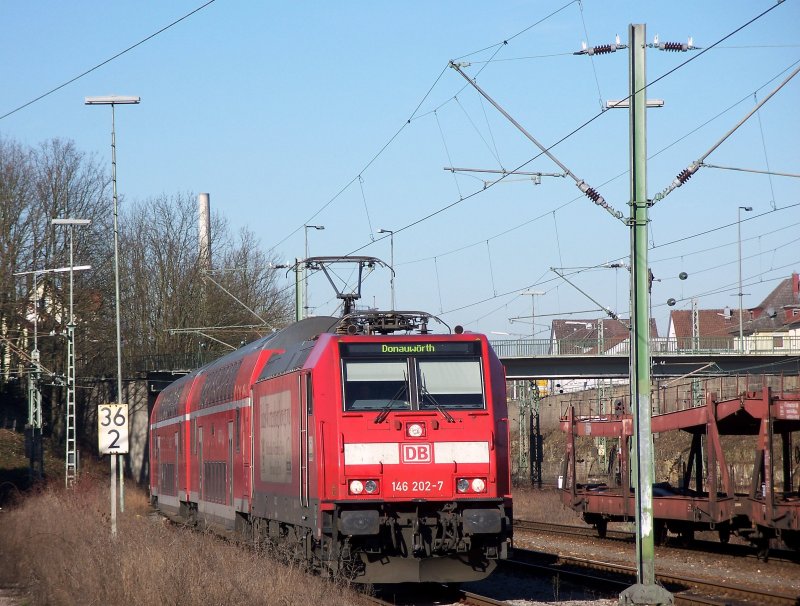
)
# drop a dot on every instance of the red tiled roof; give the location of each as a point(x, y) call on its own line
point(711, 322)
point(614, 332)
point(772, 314)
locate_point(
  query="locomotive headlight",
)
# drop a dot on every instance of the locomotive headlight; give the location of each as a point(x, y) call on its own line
point(462, 485)
point(356, 487)
point(478, 485)
point(415, 430)
point(371, 486)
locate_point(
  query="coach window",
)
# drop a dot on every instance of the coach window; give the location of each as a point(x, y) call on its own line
point(450, 383)
point(309, 396)
point(376, 385)
point(238, 429)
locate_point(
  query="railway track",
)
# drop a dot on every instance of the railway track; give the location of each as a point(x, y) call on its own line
point(462, 598)
point(744, 551)
point(565, 529)
point(603, 577)
point(688, 591)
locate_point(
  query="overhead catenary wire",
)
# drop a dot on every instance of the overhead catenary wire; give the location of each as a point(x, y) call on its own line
point(558, 142)
point(766, 157)
point(687, 173)
point(491, 269)
point(366, 208)
point(438, 283)
point(716, 247)
point(594, 67)
point(447, 152)
point(756, 171)
point(590, 192)
point(519, 33)
point(568, 135)
point(414, 115)
point(541, 283)
point(480, 134)
point(491, 134)
point(519, 225)
point(107, 61)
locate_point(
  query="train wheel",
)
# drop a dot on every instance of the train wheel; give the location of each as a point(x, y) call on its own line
point(724, 534)
point(762, 544)
point(602, 528)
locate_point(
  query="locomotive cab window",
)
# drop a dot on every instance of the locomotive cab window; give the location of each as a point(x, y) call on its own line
point(376, 385)
point(450, 383)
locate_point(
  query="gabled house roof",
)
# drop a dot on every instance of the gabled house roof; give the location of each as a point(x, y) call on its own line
point(586, 331)
point(776, 312)
point(711, 323)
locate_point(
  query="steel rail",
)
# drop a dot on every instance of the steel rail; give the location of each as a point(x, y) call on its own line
point(700, 545)
point(687, 590)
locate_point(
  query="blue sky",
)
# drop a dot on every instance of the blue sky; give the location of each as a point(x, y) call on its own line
point(277, 109)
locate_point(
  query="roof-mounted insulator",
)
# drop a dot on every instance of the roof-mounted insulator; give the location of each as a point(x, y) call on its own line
point(684, 176)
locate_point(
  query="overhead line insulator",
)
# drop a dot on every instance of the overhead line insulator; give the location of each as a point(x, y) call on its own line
point(684, 176)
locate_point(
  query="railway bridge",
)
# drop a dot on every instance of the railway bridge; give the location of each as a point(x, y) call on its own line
point(545, 359)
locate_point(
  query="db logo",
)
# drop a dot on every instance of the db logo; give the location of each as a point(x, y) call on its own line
point(416, 453)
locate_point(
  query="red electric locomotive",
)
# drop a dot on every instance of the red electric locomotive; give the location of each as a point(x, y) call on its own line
point(379, 455)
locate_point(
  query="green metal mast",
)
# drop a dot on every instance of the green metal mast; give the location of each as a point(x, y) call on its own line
point(645, 591)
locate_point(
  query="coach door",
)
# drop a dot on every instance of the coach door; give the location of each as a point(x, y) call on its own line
point(304, 401)
point(157, 470)
point(230, 462)
point(177, 463)
point(200, 461)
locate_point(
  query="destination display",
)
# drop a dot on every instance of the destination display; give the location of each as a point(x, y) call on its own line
point(433, 348)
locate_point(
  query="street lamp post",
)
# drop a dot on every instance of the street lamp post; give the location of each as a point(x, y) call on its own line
point(391, 261)
point(114, 100)
point(746, 209)
point(71, 459)
point(305, 267)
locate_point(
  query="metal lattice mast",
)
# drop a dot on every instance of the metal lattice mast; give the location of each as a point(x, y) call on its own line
point(34, 395)
point(35, 411)
point(71, 455)
point(71, 459)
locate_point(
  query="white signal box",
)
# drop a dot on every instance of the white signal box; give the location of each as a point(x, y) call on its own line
point(112, 428)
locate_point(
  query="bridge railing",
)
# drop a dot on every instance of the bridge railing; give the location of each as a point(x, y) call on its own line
point(752, 345)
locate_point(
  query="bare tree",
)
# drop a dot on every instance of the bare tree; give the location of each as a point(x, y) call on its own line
point(163, 283)
point(36, 186)
point(171, 306)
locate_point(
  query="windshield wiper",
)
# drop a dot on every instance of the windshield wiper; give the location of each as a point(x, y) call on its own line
point(387, 409)
point(424, 391)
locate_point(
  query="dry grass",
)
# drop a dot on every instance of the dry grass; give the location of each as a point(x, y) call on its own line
point(57, 544)
point(543, 505)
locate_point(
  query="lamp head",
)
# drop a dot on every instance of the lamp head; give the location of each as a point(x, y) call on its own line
point(112, 100)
